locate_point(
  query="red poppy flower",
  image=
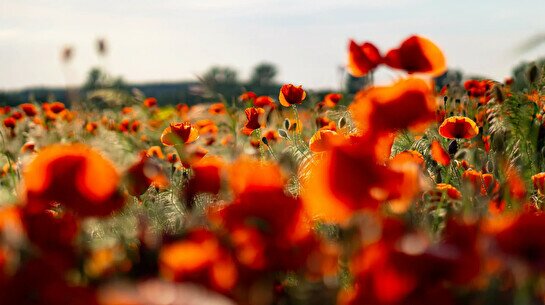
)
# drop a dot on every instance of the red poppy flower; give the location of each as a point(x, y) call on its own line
point(248, 96)
point(144, 173)
point(178, 133)
point(75, 176)
point(269, 229)
point(56, 107)
point(201, 258)
point(206, 178)
point(417, 54)
point(253, 115)
point(264, 101)
point(150, 102)
point(458, 127)
point(291, 95)
point(10, 122)
point(332, 99)
point(524, 239)
point(439, 154)
point(29, 109)
point(362, 58)
point(408, 103)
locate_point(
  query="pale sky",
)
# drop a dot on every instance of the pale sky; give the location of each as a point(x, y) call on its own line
point(167, 40)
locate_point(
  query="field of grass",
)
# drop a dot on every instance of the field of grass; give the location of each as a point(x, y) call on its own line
point(398, 194)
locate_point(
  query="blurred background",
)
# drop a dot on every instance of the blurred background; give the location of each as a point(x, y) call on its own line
point(48, 45)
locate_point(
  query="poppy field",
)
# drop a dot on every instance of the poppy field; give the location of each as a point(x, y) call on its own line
point(402, 193)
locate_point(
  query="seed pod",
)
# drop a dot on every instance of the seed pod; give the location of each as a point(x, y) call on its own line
point(287, 124)
point(342, 122)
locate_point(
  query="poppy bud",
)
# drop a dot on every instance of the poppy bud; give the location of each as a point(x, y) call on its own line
point(283, 133)
point(453, 147)
point(265, 141)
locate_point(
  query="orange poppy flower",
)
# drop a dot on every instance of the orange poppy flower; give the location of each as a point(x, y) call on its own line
point(248, 96)
point(155, 151)
point(56, 107)
point(409, 155)
point(458, 127)
point(29, 109)
point(409, 103)
point(246, 173)
point(264, 101)
point(217, 108)
point(417, 54)
point(178, 133)
point(439, 154)
point(362, 58)
point(253, 115)
point(451, 191)
point(539, 182)
point(324, 140)
point(126, 110)
point(150, 102)
point(291, 95)
point(201, 258)
point(91, 127)
point(28, 147)
point(75, 176)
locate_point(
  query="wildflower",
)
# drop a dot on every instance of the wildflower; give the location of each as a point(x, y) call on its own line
point(409, 103)
point(417, 55)
point(248, 96)
point(332, 99)
point(150, 102)
point(253, 115)
point(200, 257)
point(362, 58)
point(29, 109)
point(458, 127)
point(178, 133)
point(217, 108)
point(76, 176)
point(291, 95)
point(439, 154)
point(539, 182)
point(324, 140)
point(142, 174)
point(264, 101)
point(56, 107)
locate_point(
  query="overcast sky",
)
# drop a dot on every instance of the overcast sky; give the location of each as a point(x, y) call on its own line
point(176, 40)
